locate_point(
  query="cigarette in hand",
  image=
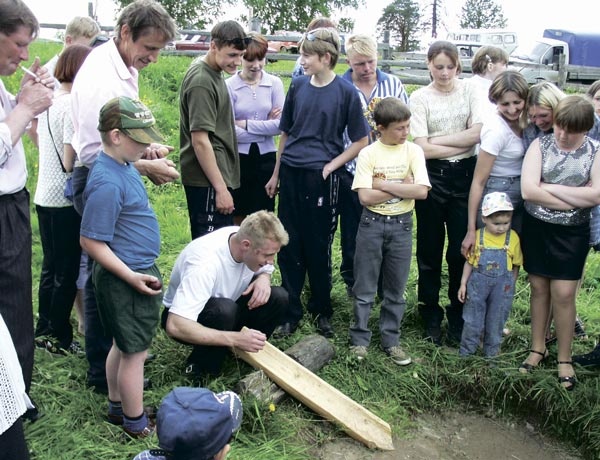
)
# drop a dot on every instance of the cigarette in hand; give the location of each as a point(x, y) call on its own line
point(26, 70)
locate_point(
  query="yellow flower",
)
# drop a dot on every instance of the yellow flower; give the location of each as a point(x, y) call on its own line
point(271, 407)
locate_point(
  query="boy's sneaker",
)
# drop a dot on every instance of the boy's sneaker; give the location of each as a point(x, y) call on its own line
point(398, 355)
point(359, 351)
point(75, 348)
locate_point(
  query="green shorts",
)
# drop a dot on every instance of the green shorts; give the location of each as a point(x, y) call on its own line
point(127, 315)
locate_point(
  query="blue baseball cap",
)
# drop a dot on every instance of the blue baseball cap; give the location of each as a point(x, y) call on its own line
point(195, 423)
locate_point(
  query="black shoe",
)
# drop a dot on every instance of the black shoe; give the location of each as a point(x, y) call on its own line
point(349, 292)
point(31, 415)
point(284, 330)
point(433, 334)
point(149, 358)
point(589, 359)
point(324, 327)
point(579, 330)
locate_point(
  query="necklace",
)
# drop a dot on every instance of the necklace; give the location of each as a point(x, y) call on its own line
point(445, 92)
point(250, 81)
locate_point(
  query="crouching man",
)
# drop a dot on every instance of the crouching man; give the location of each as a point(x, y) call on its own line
point(222, 282)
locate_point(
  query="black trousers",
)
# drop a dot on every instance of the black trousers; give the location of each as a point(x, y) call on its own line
point(229, 315)
point(255, 172)
point(16, 305)
point(59, 233)
point(12, 443)
point(308, 211)
point(443, 212)
point(350, 211)
point(204, 217)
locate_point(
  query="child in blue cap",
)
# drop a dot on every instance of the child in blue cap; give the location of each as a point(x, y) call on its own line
point(195, 424)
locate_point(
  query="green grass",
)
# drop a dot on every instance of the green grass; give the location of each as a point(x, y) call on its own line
point(73, 427)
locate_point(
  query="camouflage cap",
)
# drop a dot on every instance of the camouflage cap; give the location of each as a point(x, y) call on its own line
point(131, 117)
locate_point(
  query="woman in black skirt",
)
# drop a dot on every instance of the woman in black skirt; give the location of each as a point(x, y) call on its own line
point(560, 182)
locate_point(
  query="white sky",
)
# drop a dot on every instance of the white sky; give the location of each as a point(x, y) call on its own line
point(527, 17)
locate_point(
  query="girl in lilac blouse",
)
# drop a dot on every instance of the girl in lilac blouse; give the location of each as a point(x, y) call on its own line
point(257, 99)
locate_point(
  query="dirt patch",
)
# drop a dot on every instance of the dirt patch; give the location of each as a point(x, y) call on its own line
point(458, 436)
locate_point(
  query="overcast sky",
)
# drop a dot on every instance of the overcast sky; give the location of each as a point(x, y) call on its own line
point(527, 17)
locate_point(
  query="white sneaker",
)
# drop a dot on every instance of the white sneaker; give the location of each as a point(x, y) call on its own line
point(398, 355)
point(359, 351)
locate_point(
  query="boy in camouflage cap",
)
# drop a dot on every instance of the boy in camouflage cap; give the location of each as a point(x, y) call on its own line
point(119, 230)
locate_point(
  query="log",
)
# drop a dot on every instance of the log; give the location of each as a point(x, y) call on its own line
point(320, 396)
point(313, 352)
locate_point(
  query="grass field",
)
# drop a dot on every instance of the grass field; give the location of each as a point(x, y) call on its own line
point(73, 426)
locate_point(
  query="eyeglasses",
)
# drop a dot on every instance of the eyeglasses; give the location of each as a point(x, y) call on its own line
point(238, 42)
point(312, 36)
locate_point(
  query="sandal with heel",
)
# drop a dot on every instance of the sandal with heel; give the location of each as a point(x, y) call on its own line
point(571, 380)
point(526, 368)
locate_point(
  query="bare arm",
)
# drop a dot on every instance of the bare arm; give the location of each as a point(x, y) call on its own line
point(273, 184)
point(33, 99)
point(159, 171)
point(531, 185)
point(462, 291)
point(69, 156)
point(463, 139)
point(349, 154)
point(484, 165)
point(579, 197)
point(409, 191)
point(433, 151)
point(102, 254)
point(208, 162)
point(195, 333)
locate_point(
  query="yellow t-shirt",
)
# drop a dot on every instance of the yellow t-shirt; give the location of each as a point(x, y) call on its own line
point(392, 163)
point(514, 256)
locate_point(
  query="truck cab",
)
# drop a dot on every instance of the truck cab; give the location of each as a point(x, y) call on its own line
point(538, 60)
point(581, 52)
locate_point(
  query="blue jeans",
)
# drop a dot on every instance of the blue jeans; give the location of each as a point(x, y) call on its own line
point(512, 187)
point(383, 244)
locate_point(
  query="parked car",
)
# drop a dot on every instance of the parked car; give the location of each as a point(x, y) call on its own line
point(467, 49)
point(195, 42)
point(284, 46)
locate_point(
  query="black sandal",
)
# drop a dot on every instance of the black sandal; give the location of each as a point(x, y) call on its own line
point(526, 368)
point(570, 379)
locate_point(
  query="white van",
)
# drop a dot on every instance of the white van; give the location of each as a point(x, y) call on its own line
point(501, 38)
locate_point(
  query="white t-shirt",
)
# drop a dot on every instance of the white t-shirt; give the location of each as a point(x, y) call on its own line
point(204, 269)
point(51, 178)
point(437, 115)
point(499, 140)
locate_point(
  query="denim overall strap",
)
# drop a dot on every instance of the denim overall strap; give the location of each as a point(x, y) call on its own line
point(492, 261)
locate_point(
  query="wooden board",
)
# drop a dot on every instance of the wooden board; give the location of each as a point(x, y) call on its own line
point(321, 397)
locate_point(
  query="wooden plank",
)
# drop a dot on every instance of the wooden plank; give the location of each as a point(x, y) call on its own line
point(321, 397)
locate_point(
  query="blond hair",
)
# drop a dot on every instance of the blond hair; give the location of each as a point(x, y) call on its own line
point(360, 44)
point(260, 226)
point(82, 27)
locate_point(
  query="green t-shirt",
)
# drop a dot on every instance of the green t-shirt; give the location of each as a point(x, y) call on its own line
point(205, 106)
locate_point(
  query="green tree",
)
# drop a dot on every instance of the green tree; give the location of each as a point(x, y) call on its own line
point(402, 19)
point(482, 14)
point(294, 15)
point(190, 14)
point(345, 25)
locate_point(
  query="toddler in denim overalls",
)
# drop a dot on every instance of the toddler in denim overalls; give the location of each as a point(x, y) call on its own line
point(488, 282)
